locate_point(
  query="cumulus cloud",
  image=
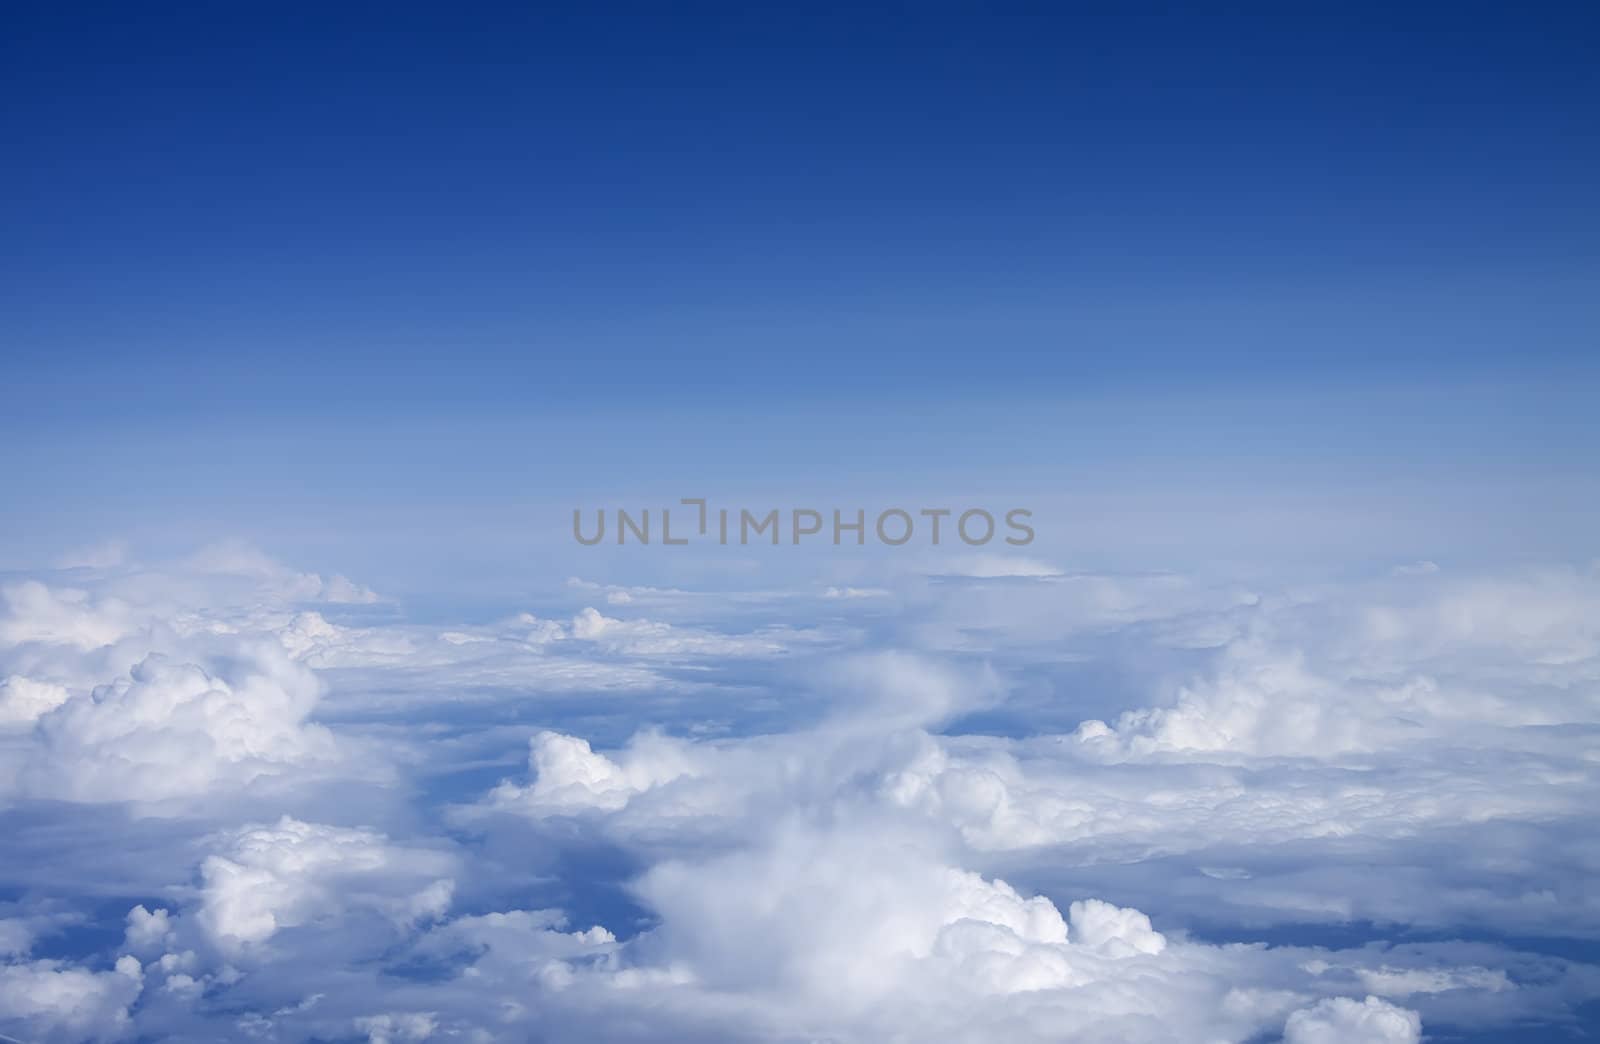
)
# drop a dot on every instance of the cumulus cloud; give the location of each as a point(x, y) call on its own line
point(835, 914)
point(269, 878)
point(857, 932)
point(1114, 930)
point(1260, 701)
point(570, 777)
point(172, 730)
point(1341, 1020)
point(57, 1001)
point(23, 700)
point(148, 931)
point(61, 616)
point(1019, 807)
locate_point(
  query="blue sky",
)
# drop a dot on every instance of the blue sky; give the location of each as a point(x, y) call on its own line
point(596, 249)
point(317, 725)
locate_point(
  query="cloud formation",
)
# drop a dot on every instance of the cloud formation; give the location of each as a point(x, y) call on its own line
point(1020, 804)
point(172, 730)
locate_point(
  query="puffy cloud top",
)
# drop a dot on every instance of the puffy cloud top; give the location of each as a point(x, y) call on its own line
point(267, 878)
point(172, 730)
point(1341, 1020)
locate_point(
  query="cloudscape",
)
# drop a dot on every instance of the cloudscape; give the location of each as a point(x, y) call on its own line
point(797, 524)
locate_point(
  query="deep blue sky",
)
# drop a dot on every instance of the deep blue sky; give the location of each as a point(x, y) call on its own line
point(244, 242)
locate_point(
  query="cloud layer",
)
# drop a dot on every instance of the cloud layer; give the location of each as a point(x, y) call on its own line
point(999, 802)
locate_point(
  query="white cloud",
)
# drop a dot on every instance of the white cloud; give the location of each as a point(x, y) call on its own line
point(23, 700)
point(1016, 824)
point(843, 915)
point(1113, 930)
point(61, 616)
point(1404, 982)
point(650, 638)
point(269, 878)
point(149, 932)
point(570, 777)
point(857, 931)
point(172, 730)
point(1340, 1020)
point(57, 1001)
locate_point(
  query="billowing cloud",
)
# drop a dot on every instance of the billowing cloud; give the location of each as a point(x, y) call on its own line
point(1034, 806)
point(269, 878)
point(173, 730)
point(68, 616)
point(569, 776)
point(23, 700)
point(54, 1000)
point(1341, 1020)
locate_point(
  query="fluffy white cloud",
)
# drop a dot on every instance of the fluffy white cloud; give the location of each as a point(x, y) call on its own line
point(1340, 1020)
point(23, 700)
point(268, 878)
point(840, 913)
point(62, 616)
point(570, 777)
point(173, 730)
point(856, 931)
point(1114, 930)
point(148, 931)
point(1019, 823)
point(56, 1001)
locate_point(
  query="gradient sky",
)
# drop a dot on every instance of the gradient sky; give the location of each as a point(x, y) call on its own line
point(317, 322)
point(315, 273)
